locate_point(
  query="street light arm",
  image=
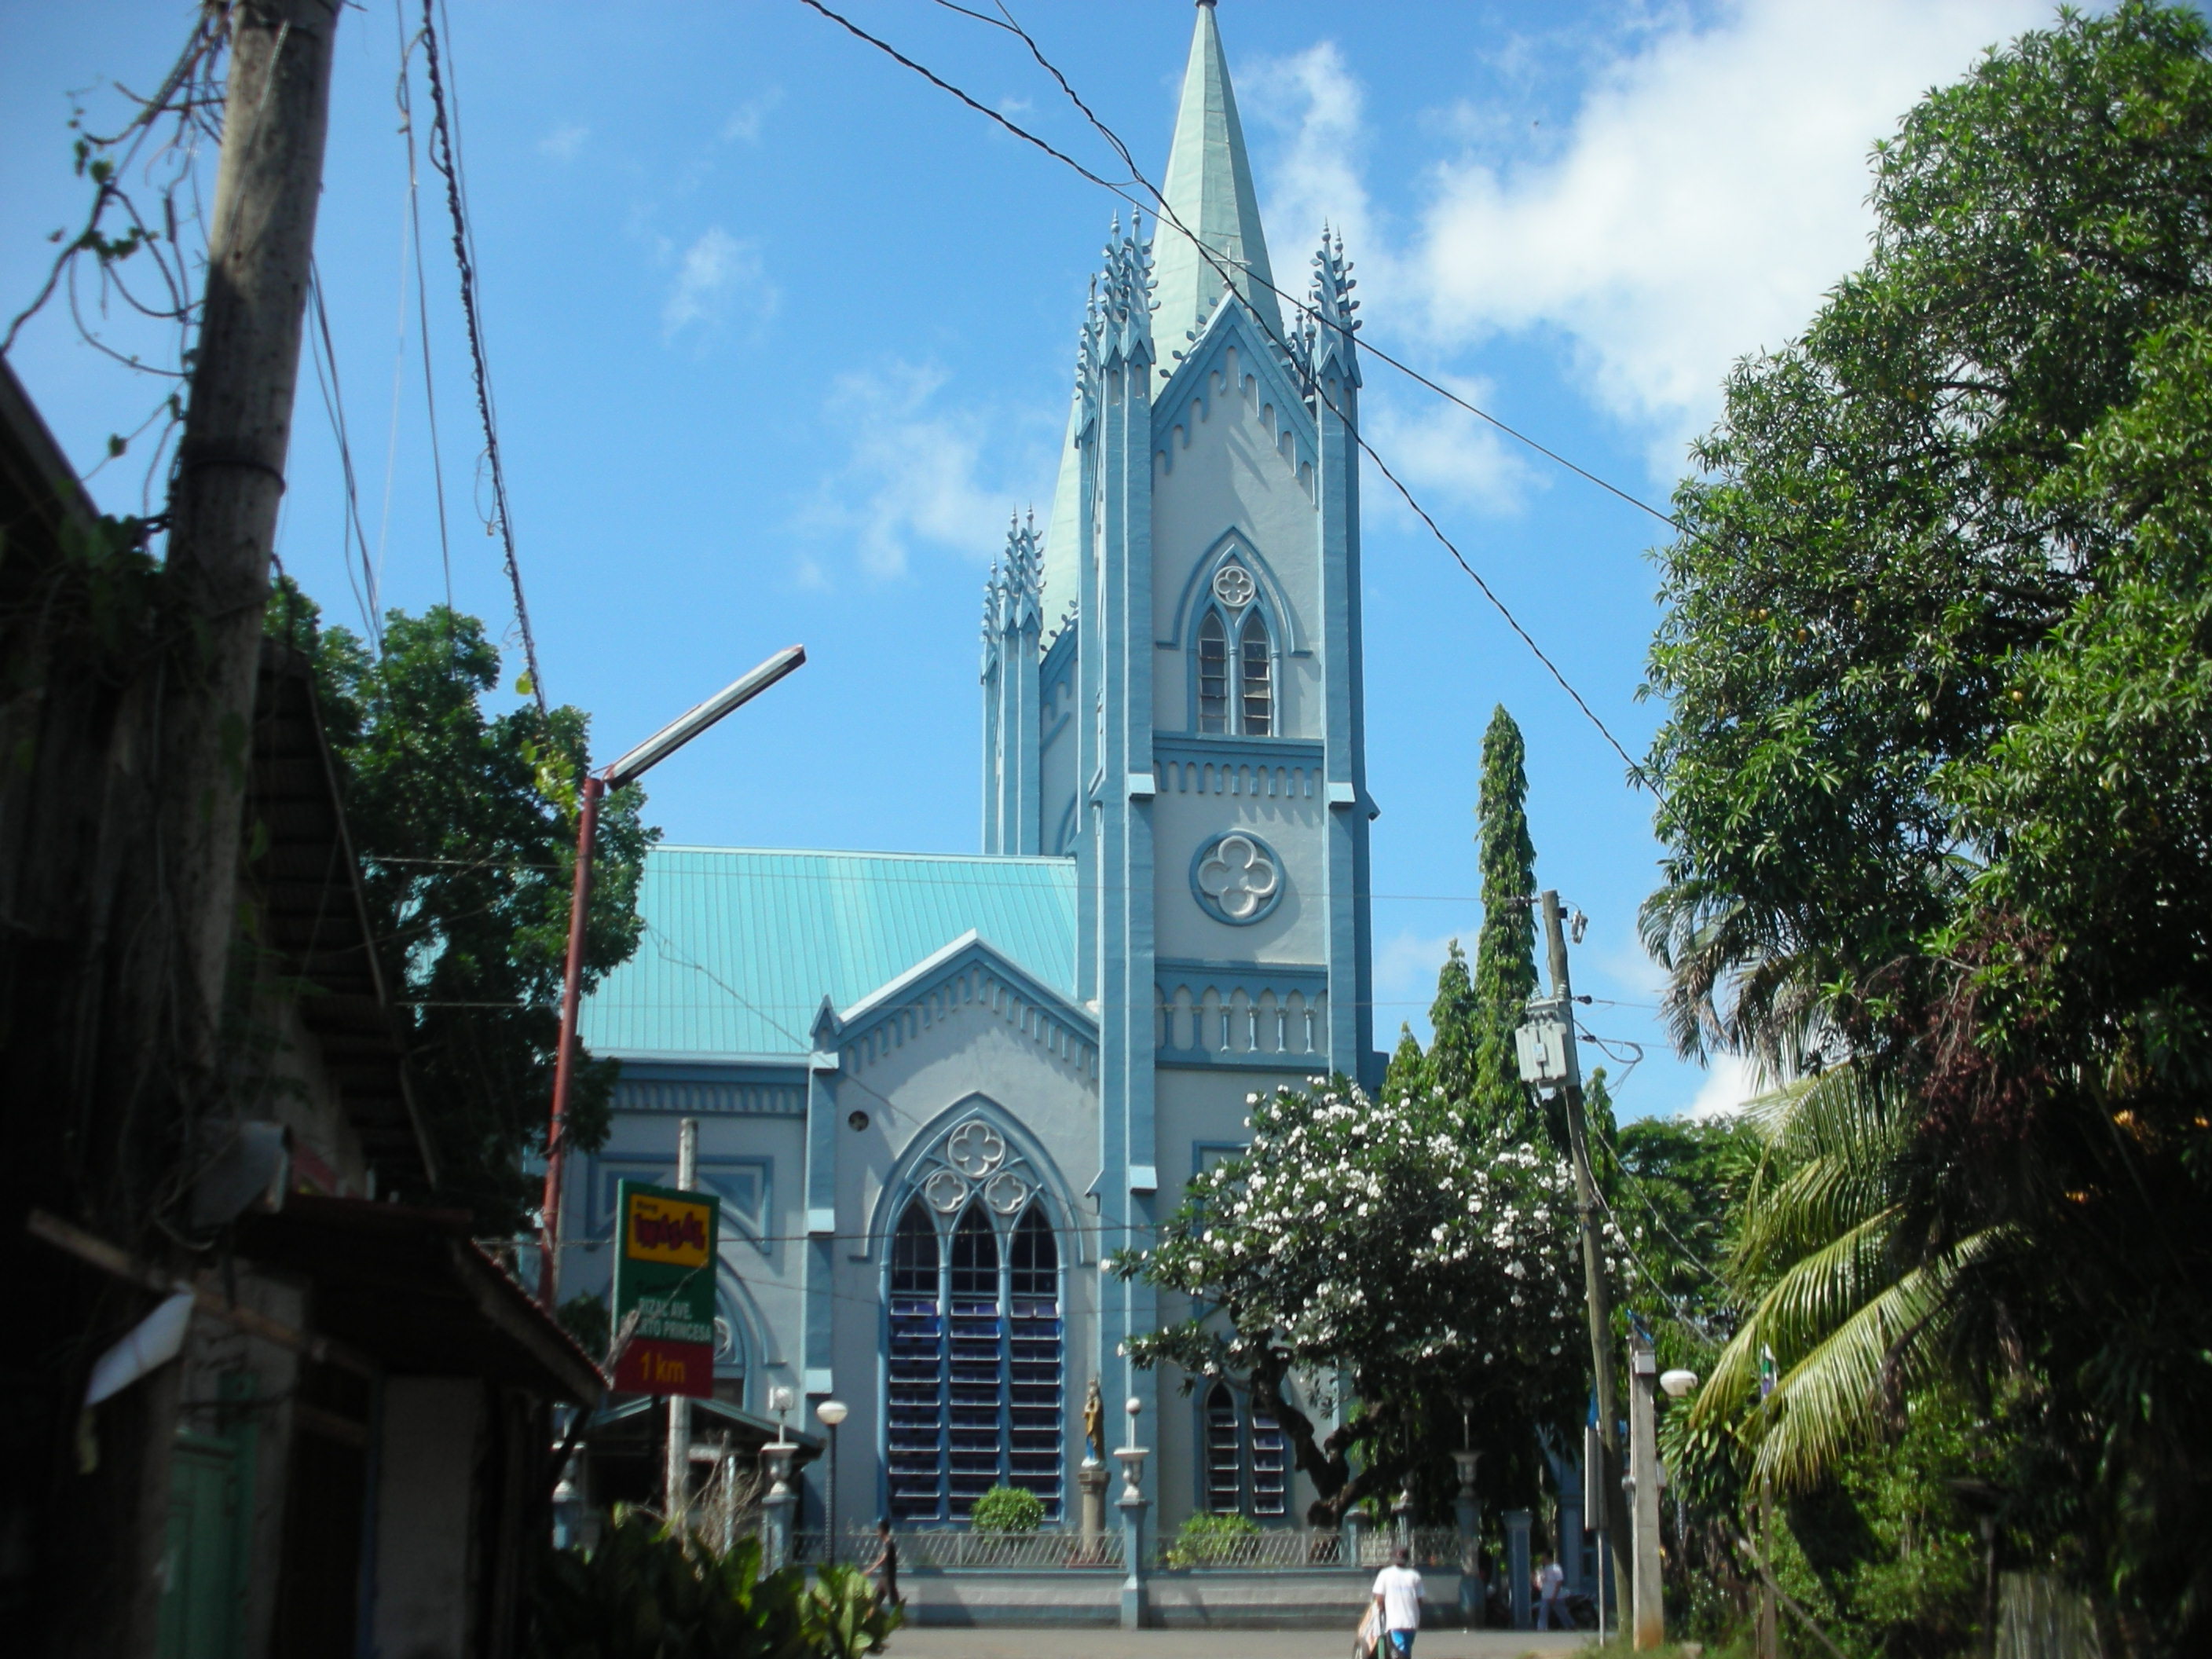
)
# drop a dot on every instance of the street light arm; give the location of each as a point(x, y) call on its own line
point(680, 730)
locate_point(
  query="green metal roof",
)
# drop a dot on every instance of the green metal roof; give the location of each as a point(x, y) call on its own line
point(741, 945)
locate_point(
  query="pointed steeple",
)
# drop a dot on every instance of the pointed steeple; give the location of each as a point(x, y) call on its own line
point(1209, 189)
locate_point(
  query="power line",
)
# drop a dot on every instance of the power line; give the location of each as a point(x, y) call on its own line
point(1160, 207)
point(444, 158)
point(325, 355)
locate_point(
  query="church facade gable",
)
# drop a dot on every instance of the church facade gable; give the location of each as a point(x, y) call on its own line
point(1015, 1062)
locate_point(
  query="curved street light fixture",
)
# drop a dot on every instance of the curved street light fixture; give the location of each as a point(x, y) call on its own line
point(627, 769)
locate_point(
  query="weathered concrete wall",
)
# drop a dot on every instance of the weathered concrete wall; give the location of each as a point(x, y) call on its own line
point(423, 1510)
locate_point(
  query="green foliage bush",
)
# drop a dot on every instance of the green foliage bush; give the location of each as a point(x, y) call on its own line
point(1007, 1509)
point(646, 1593)
point(1210, 1540)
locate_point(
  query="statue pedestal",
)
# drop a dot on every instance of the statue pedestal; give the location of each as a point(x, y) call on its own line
point(1090, 1479)
point(1133, 1503)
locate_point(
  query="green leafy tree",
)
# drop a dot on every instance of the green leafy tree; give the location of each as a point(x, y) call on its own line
point(1678, 1187)
point(1937, 779)
point(1416, 1250)
point(466, 824)
point(1872, 539)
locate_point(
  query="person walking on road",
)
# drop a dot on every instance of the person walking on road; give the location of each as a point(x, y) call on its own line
point(1398, 1594)
point(884, 1568)
point(1550, 1580)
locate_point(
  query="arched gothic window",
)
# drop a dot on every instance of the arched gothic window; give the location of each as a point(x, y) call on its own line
point(976, 1358)
point(1255, 681)
point(1235, 665)
point(1212, 673)
point(1248, 1465)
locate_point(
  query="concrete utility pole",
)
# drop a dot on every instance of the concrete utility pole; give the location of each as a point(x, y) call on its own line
point(1649, 1610)
point(676, 1496)
point(1600, 1290)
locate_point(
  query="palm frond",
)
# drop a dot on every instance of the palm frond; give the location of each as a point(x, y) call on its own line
point(1831, 1400)
point(1832, 1160)
point(1821, 1291)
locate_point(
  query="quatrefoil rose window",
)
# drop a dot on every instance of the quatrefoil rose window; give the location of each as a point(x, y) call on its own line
point(1238, 878)
point(974, 1148)
point(1232, 585)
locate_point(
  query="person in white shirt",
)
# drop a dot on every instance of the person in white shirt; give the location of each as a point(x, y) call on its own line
point(1550, 1579)
point(1398, 1592)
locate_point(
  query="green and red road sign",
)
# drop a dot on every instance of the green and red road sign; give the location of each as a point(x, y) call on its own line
point(665, 1272)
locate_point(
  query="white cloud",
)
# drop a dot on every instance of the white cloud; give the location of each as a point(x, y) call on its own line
point(1711, 189)
point(1442, 451)
point(914, 472)
point(1707, 190)
point(1317, 110)
point(744, 127)
point(707, 274)
point(564, 143)
point(1730, 1080)
point(1406, 968)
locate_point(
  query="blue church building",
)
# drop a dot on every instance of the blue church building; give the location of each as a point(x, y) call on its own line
point(937, 1093)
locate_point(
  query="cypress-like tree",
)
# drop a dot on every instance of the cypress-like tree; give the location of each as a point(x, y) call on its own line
point(1408, 1076)
point(1506, 950)
point(1477, 1010)
point(1452, 1017)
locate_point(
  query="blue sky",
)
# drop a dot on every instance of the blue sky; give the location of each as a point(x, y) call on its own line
point(779, 335)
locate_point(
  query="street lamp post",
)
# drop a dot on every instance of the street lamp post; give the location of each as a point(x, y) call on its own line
point(631, 767)
point(832, 1412)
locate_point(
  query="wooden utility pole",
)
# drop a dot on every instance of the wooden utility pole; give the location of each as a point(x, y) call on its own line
point(1599, 1289)
point(162, 907)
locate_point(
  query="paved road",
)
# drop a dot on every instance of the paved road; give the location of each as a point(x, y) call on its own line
point(941, 1643)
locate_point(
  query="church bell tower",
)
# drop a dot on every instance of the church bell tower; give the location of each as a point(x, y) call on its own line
point(1172, 682)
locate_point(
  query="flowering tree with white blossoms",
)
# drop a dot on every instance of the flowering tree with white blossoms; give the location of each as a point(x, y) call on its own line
point(1404, 1245)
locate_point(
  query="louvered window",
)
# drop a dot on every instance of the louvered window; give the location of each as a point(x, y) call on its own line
point(1271, 1467)
point(1225, 1484)
point(915, 1419)
point(1212, 674)
point(976, 1426)
point(1248, 1460)
point(1033, 1360)
point(1256, 681)
point(976, 1356)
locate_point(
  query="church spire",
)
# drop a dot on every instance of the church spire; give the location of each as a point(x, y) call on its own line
point(1209, 189)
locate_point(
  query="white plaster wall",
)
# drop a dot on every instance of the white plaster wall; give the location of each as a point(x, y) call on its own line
point(427, 1451)
point(971, 1049)
point(1296, 930)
